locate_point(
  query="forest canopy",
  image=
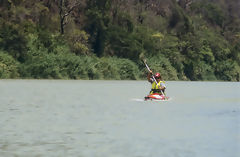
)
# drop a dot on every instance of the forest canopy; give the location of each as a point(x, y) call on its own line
point(107, 39)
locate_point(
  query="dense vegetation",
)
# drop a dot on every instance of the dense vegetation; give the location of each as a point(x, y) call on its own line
point(106, 39)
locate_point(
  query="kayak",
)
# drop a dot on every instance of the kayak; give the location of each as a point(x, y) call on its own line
point(155, 96)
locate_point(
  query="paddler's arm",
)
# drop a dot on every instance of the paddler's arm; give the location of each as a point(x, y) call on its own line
point(149, 76)
point(162, 86)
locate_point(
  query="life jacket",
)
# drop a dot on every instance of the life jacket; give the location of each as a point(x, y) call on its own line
point(155, 87)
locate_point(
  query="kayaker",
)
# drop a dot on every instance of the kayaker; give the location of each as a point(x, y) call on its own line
point(160, 86)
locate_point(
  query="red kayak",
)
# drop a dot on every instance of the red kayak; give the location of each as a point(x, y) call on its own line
point(156, 96)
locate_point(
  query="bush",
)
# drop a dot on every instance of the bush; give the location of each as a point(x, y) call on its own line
point(8, 66)
point(170, 47)
point(162, 65)
point(12, 41)
point(123, 44)
point(126, 68)
point(44, 66)
point(199, 70)
point(78, 41)
point(107, 69)
point(227, 70)
point(211, 12)
point(60, 66)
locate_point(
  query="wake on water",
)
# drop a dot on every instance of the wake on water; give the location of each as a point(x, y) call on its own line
point(142, 100)
point(137, 99)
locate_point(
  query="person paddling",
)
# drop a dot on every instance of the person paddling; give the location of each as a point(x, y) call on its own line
point(158, 87)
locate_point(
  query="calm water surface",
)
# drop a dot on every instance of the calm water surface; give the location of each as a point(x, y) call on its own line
point(49, 118)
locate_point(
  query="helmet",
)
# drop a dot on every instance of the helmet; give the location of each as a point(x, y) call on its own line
point(157, 75)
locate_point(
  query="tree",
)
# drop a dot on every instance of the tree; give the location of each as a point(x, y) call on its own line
point(98, 15)
point(12, 40)
point(66, 7)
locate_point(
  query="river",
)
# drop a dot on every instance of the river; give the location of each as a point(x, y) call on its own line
point(72, 118)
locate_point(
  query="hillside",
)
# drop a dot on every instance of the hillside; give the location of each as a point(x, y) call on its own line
point(106, 39)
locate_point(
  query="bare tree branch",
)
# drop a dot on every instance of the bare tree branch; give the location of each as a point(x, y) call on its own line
point(64, 11)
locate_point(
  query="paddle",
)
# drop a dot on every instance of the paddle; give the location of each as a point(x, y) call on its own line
point(153, 76)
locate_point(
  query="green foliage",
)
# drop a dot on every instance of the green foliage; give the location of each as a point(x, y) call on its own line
point(78, 42)
point(60, 66)
point(70, 66)
point(161, 64)
point(8, 66)
point(55, 61)
point(34, 47)
point(196, 43)
point(171, 47)
point(199, 70)
point(236, 52)
point(147, 39)
point(219, 46)
point(179, 22)
point(127, 69)
point(124, 21)
point(97, 13)
point(44, 66)
point(12, 40)
point(108, 68)
point(199, 60)
point(123, 44)
point(211, 11)
point(227, 70)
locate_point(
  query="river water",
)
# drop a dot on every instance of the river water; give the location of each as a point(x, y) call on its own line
point(61, 118)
